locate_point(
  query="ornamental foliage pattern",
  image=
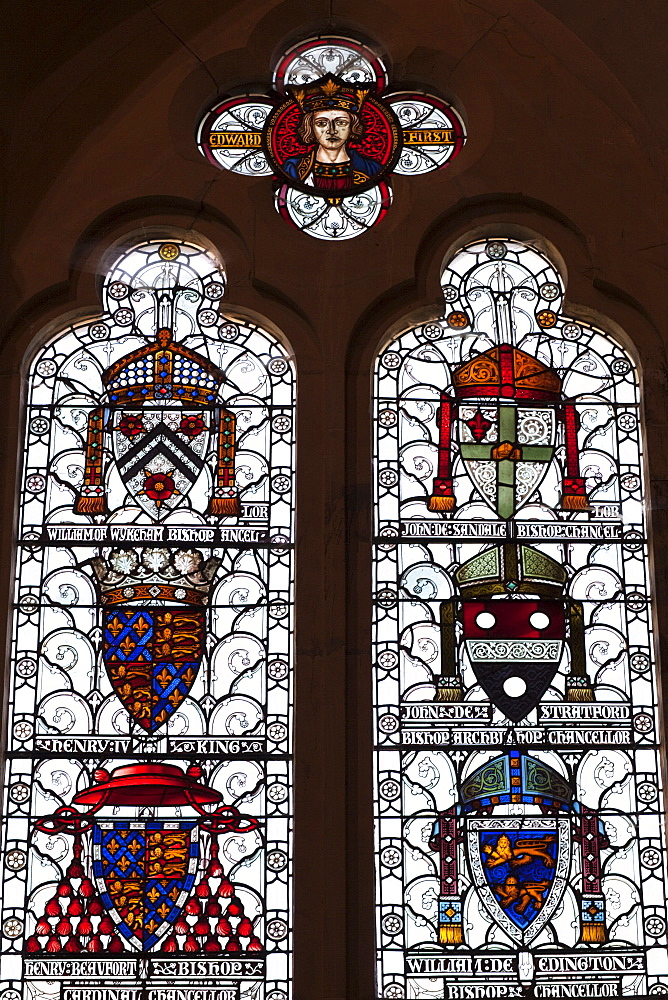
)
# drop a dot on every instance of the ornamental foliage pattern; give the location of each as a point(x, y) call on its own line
point(147, 802)
point(519, 809)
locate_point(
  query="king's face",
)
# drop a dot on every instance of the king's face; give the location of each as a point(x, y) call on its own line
point(332, 128)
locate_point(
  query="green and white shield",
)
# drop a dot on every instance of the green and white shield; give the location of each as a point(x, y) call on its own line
point(506, 449)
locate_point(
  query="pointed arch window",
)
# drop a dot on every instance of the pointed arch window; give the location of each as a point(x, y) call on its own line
point(147, 825)
point(519, 808)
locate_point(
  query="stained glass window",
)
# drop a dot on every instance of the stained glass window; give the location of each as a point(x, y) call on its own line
point(331, 133)
point(519, 809)
point(147, 803)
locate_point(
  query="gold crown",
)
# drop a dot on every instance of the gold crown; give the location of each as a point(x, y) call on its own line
point(330, 92)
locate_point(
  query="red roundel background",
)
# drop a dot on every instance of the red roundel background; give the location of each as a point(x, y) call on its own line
point(380, 142)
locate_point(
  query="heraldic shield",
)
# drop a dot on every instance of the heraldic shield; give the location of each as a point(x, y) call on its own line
point(137, 884)
point(162, 420)
point(513, 613)
point(154, 627)
point(506, 414)
point(518, 841)
point(160, 453)
point(506, 443)
point(520, 867)
point(144, 872)
point(152, 656)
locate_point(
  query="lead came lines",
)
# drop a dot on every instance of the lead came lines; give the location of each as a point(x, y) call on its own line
point(142, 654)
point(512, 723)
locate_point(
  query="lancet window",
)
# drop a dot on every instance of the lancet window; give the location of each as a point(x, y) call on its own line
point(147, 819)
point(520, 817)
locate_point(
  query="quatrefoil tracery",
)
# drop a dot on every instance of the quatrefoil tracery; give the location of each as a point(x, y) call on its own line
point(331, 134)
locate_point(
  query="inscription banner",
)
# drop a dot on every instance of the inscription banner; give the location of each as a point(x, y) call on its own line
point(518, 790)
point(560, 531)
point(148, 765)
point(132, 534)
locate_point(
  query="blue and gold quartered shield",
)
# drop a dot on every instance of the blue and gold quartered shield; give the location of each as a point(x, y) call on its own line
point(152, 655)
point(144, 872)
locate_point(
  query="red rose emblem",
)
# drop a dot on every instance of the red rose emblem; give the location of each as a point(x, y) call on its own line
point(131, 425)
point(192, 426)
point(159, 487)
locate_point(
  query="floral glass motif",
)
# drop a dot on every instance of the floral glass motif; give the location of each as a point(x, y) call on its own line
point(147, 807)
point(519, 809)
point(331, 134)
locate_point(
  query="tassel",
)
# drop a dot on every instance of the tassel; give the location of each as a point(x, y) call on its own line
point(450, 934)
point(90, 505)
point(224, 502)
point(593, 933)
point(224, 506)
point(575, 495)
point(442, 498)
point(579, 694)
point(450, 693)
point(439, 504)
point(571, 501)
point(593, 920)
point(91, 500)
point(450, 920)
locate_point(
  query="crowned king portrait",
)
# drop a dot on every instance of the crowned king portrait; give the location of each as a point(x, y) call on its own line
point(330, 121)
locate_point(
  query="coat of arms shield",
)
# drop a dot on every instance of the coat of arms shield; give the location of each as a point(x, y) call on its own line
point(144, 872)
point(152, 656)
point(506, 449)
point(520, 868)
point(160, 452)
point(515, 647)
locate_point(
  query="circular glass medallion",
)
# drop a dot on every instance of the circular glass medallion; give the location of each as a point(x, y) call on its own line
point(392, 923)
point(495, 249)
point(388, 723)
point(432, 133)
point(276, 732)
point(15, 860)
point(389, 790)
point(277, 792)
point(276, 861)
point(208, 317)
point(647, 791)
point(214, 291)
point(123, 317)
point(277, 930)
point(277, 366)
point(314, 58)
point(12, 927)
point(230, 135)
point(26, 667)
point(169, 251)
point(277, 670)
point(390, 857)
point(387, 418)
point(20, 792)
point(650, 857)
point(325, 220)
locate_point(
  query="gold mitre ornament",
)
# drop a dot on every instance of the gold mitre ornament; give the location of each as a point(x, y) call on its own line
point(330, 93)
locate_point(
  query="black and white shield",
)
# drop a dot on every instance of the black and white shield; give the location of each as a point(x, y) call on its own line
point(160, 453)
